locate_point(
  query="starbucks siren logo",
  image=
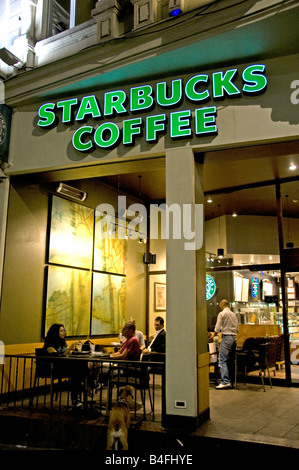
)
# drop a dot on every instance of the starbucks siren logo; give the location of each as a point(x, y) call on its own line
point(3, 129)
point(210, 287)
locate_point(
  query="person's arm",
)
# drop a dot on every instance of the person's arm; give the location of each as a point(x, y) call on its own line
point(71, 348)
point(218, 324)
point(118, 355)
point(142, 343)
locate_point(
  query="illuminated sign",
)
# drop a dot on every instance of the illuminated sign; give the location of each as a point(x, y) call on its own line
point(255, 287)
point(144, 99)
point(210, 287)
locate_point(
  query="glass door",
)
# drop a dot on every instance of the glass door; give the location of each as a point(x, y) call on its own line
point(292, 304)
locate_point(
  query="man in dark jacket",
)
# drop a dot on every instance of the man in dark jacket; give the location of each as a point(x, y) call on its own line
point(158, 342)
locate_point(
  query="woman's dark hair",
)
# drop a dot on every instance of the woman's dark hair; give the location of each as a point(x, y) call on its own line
point(52, 338)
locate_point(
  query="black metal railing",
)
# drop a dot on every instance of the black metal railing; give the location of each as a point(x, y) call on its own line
point(64, 383)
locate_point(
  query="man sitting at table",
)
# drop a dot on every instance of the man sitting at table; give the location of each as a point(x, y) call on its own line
point(158, 343)
point(130, 348)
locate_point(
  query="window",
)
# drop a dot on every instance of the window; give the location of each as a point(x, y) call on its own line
point(65, 14)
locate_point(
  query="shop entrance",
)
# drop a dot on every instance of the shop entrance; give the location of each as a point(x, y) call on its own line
point(254, 295)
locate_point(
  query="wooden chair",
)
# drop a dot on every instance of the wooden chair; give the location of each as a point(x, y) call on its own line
point(45, 369)
point(134, 373)
point(253, 357)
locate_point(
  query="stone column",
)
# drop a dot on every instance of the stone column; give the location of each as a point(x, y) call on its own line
point(106, 13)
point(4, 194)
point(187, 359)
point(148, 11)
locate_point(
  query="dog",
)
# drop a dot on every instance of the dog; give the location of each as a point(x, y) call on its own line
point(119, 420)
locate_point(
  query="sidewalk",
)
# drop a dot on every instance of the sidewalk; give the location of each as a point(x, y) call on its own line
point(246, 419)
point(250, 414)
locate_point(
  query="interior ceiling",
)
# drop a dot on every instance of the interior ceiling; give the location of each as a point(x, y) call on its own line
point(226, 176)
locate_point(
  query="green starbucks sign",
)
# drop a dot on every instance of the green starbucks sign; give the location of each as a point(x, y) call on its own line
point(149, 111)
point(210, 287)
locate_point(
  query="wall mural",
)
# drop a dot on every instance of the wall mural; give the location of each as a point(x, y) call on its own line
point(110, 251)
point(68, 299)
point(108, 303)
point(86, 283)
point(71, 234)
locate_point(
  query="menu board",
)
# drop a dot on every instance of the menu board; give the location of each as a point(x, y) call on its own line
point(241, 289)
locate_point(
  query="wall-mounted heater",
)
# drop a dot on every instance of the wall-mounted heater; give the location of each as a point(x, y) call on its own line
point(70, 192)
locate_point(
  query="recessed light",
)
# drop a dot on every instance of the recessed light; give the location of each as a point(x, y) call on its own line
point(209, 200)
point(234, 214)
point(292, 167)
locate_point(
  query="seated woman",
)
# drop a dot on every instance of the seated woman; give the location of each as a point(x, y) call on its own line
point(56, 345)
point(55, 340)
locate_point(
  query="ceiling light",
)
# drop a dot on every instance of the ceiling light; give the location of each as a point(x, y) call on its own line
point(175, 7)
point(234, 214)
point(175, 12)
point(292, 167)
point(209, 200)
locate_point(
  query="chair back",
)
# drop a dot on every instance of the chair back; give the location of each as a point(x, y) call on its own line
point(263, 355)
point(43, 368)
point(280, 349)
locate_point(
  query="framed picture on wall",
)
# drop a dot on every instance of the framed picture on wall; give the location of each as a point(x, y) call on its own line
point(160, 296)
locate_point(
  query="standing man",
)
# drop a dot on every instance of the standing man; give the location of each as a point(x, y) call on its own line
point(159, 340)
point(227, 324)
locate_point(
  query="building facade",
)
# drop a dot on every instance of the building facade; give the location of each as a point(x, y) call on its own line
point(168, 102)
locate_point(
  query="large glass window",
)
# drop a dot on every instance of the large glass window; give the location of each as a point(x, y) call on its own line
point(65, 14)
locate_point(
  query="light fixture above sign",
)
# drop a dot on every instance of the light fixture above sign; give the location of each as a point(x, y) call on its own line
point(8, 57)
